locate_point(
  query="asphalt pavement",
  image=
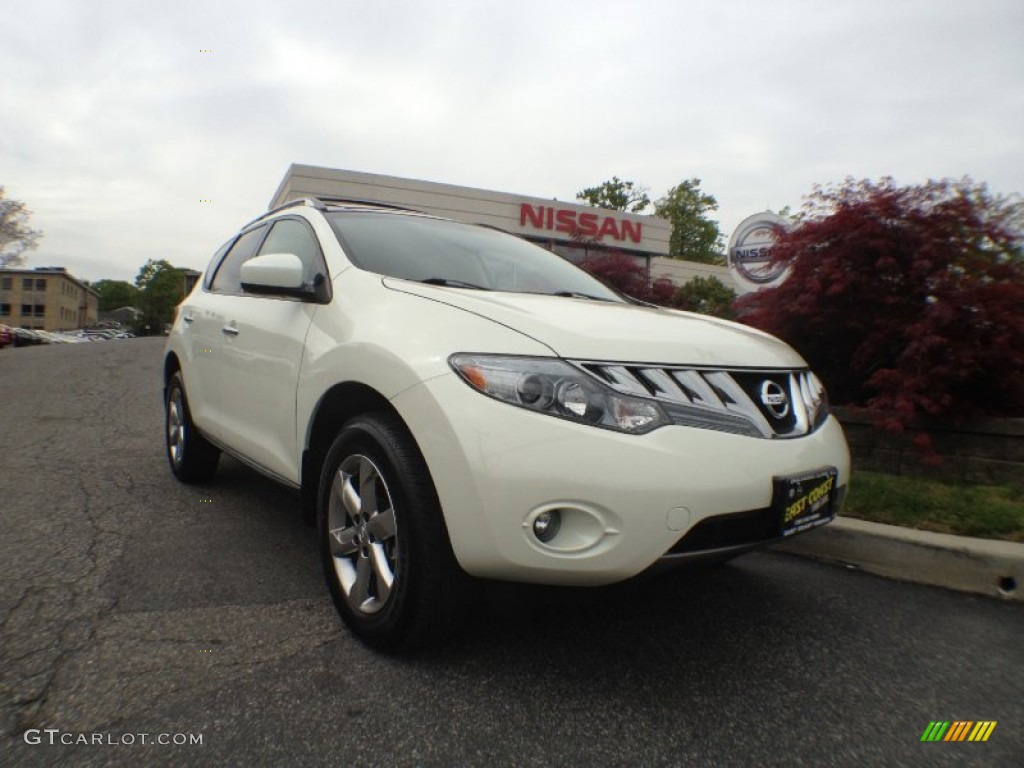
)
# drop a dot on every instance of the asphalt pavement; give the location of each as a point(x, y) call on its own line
point(134, 608)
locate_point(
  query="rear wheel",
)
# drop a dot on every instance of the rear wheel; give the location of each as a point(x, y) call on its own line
point(385, 549)
point(193, 459)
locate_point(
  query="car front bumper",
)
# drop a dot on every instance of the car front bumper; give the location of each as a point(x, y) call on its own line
point(625, 501)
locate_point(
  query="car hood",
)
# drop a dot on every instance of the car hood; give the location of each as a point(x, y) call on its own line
point(585, 329)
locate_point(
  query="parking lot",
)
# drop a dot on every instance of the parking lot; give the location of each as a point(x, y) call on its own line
point(26, 337)
point(134, 605)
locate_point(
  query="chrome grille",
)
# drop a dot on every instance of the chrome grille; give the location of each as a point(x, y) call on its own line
point(745, 401)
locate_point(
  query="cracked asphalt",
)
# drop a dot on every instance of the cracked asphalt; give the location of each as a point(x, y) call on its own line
point(131, 605)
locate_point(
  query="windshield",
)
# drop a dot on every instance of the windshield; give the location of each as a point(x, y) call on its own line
point(459, 255)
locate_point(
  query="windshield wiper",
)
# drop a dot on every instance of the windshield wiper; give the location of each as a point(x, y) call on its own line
point(453, 283)
point(578, 295)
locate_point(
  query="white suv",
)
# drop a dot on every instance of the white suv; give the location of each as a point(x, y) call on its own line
point(455, 402)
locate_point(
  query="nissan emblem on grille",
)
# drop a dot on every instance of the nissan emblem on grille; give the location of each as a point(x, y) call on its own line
point(775, 399)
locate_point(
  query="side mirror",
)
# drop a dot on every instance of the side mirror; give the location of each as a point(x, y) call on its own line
point(274, 273)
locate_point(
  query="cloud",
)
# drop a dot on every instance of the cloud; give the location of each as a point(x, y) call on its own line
point(117, 122)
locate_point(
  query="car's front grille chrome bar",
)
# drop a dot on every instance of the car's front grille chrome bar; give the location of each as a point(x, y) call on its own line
point(772, 403)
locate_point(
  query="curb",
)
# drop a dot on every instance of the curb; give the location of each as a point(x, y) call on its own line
point(980, 566)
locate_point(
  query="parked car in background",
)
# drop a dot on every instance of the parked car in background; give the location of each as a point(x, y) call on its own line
point(5, 337)
point(27, 337)
point(455, 402)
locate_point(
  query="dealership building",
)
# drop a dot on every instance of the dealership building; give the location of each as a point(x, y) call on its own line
point(569, 229)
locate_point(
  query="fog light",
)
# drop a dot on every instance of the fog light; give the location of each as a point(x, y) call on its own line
point(546, 525)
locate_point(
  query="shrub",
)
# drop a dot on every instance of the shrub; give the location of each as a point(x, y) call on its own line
point(707, 295)
point(621, 272)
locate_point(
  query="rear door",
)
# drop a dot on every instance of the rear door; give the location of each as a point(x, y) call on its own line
point(202, 318)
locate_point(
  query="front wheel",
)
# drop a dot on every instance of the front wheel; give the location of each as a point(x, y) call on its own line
point(192, 458)
point(385, 549)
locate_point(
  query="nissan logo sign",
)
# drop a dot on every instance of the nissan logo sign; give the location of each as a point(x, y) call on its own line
point(774, 399)
point(750, 253)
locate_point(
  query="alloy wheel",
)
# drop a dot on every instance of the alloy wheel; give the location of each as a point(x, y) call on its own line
point(176, 427)
point(363, 534)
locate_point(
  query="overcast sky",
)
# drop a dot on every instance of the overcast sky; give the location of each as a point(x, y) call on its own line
point(115, 123)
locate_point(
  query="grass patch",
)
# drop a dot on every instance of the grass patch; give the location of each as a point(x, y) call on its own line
point(986, 511)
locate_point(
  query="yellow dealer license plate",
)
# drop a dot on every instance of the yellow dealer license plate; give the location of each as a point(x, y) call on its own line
point(805, 501)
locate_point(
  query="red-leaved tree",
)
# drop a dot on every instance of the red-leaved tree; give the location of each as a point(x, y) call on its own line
point(621, 272)
point(908, 301)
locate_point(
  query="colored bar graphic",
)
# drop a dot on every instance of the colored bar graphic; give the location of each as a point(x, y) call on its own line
point(958, 730)
point(982, 731)
point(935, 731)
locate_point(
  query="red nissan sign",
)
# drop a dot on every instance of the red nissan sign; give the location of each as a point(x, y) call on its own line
point(586, 224)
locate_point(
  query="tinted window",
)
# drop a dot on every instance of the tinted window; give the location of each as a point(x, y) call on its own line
point(416, 248)
point(227, 278)
point(208, 277)
point(294, 236)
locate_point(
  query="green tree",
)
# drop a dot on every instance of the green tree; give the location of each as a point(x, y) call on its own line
point(161, 286)
point(695, 237)
point(15, 235)
point(616, 195)
point(115, 294)
point(706, 295)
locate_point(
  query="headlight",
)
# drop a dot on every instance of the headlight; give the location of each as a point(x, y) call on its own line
point(812, 391)
point(559, 389)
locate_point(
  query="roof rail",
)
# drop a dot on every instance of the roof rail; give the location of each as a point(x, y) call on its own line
point(290, 204)
point(321, 203)
point(375, 203)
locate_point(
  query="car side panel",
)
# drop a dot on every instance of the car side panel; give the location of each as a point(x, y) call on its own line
point(193, 340)
point(389, 341)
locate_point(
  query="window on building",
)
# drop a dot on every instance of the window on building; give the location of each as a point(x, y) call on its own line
point(5, 310)
point(6, 283)
point(26, 310)
point(40, 283)
point(40, 310)
point(27, 283)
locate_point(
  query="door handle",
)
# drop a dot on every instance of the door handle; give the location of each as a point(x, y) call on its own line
point(230, 330)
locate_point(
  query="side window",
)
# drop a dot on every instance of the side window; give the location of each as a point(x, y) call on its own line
point(294, 236)
point(214, 262)
point(227, 279)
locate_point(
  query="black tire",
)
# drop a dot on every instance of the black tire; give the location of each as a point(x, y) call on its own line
point(379, 520)
point(192, 458)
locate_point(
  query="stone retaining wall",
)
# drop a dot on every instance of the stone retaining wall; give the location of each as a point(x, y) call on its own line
point(987, 452)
